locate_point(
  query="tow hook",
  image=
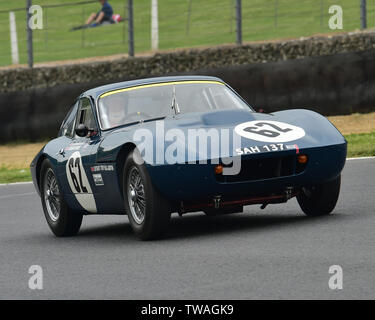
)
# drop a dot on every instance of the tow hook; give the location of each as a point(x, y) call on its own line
point(263, 206)
point(217, 202)
point(182, 209)
point(288, 193)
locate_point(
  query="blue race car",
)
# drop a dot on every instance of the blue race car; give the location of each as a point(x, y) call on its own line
point(151, 147)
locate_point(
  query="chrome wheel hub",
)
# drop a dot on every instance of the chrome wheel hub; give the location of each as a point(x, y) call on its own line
point(133, 195)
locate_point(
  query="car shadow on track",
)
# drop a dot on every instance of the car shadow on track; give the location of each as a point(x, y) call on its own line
point(198, 225)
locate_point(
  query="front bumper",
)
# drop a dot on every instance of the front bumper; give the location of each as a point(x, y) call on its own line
point(182, 182)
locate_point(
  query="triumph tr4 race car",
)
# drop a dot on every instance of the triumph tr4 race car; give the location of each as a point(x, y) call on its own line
point(149, 148)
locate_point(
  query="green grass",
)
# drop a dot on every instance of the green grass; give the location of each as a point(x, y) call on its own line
point(359, 145)
point(212, 23)
point(14, 175)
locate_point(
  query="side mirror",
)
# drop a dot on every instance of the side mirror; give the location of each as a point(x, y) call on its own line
point(82, 130)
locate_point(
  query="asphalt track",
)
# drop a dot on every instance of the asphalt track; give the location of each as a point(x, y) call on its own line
point(273, 253)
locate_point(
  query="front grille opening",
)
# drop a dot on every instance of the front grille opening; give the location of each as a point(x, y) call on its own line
point(265, 168)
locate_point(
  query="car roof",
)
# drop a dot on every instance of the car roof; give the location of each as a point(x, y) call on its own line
point(96, 92)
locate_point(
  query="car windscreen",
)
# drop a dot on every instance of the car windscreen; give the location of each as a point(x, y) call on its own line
point(152, 101)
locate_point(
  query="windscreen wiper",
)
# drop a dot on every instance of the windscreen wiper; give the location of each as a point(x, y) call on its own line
point(175, 106)
point(139, 121)
point(154, 119)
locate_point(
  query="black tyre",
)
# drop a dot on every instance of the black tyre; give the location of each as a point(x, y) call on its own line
point(321, 199)
point(61, 219)
point(148, 212)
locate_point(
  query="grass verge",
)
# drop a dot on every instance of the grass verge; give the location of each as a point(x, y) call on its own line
point(359, 145)
point(14, 175)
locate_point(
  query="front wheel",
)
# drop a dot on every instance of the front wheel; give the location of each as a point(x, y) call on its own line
point(321, 199)
point(61, 219)
point(148, 212)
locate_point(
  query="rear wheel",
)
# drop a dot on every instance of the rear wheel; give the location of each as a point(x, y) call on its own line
point(61, 219)
point(148, 212)
point(321, 199)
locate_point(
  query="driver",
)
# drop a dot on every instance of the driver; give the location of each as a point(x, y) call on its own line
point(116, 108)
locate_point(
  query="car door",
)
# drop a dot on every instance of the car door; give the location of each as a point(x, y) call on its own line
point(77, 156)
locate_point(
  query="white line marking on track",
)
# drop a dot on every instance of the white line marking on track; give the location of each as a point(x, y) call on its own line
point(360, 158)
point(17, 195)
point(15, 183)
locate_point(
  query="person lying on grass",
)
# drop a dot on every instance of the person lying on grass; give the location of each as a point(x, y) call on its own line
point(105, 14)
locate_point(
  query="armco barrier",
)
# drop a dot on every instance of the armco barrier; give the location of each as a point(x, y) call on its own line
point(331, 75)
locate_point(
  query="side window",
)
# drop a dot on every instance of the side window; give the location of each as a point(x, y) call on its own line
point(85, 115)
point(68, 123)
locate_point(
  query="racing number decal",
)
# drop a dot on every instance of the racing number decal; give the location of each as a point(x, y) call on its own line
point(79, 183)
point(269, 131)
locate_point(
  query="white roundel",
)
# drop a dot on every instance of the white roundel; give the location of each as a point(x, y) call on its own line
point(269, 131)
